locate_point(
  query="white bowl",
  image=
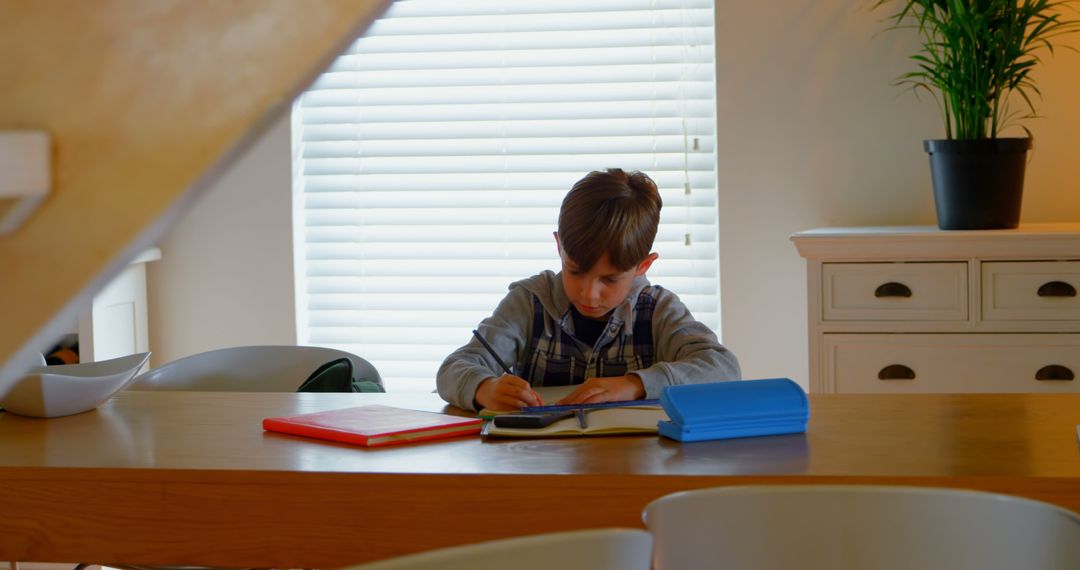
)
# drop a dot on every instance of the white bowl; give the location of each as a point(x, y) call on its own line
point(51, 391)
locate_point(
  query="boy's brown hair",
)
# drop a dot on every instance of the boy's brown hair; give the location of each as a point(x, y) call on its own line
point(611, 211)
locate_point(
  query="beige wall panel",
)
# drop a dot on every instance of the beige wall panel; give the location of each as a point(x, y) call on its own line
point(146, 102)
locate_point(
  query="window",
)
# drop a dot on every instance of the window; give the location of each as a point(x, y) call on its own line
point(431, 159)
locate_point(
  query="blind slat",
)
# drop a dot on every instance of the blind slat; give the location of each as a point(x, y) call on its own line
point(495, 148)
point(503, 163)
point(483, 181)
point(404, 9)
point(520, 198)
point(602, 73)
point(515, 129)
point(680, 55)
point(538, 40)
point(588, 17)
point(536, 93)
point(553, 111)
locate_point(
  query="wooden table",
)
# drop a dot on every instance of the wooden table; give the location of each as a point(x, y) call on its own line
point(191, 478)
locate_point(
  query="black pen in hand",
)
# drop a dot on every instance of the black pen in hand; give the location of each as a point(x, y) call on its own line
point(505, 368)
point(491, 351)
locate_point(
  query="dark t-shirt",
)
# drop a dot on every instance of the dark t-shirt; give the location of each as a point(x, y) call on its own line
point(587, 330)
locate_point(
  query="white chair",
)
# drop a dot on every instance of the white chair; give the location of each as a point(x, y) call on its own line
point(263, 368)
point(266, 368)
point(859, 527)
point(594, 549)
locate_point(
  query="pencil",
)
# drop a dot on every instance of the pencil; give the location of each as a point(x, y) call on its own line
point(581, 418)
point(491, 351)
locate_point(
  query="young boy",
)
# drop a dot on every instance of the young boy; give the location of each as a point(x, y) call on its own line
point(598, 323)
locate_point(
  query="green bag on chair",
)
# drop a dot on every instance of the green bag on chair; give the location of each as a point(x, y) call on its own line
point(337, 376)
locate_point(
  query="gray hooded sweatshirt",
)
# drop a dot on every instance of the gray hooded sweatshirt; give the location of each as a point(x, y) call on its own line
point(651, 334)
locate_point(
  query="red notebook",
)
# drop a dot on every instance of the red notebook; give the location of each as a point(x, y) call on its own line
point(374, 425)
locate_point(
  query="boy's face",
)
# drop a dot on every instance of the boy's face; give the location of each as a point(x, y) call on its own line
point(597, 291)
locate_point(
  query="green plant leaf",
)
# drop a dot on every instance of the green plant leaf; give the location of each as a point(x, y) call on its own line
point(975, 54)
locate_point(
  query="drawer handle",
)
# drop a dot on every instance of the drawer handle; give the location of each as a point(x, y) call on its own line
point(893, 289)
point(1057, 289)
point(1054, 372)
point(897, 372)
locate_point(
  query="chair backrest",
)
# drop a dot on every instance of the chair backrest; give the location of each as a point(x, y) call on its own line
point(594, 549)
point(267, 368)
point(859, 527)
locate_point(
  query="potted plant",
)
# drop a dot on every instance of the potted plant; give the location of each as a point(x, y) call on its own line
point(976, 57)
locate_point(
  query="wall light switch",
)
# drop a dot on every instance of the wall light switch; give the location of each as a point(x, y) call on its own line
point(25, 175)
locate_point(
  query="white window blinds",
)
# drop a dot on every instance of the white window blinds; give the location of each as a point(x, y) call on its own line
point(431, 159)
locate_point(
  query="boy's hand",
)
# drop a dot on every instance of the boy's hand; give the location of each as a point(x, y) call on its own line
point(506, 392)
point(607, 389)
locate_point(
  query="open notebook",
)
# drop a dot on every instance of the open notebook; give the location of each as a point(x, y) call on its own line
point(602, 421)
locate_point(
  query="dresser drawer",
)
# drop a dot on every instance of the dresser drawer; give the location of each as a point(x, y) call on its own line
point(894, 291)
point(1031, 290)
point(867, 363)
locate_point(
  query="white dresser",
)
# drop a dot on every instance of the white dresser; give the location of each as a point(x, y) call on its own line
point(918, 309)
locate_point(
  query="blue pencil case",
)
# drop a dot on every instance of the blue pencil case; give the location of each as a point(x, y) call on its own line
point(738, 408)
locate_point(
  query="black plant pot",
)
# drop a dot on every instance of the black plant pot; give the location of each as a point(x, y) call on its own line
point(978, 184)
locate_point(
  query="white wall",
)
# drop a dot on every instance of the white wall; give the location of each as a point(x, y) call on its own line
point(225, 277)
point(815, 134)
point(811, 133)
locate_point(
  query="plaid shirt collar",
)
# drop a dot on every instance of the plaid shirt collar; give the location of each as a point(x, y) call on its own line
point(623, 315)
